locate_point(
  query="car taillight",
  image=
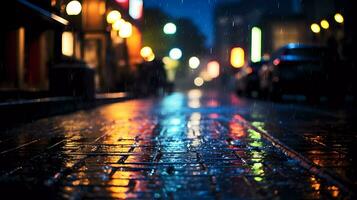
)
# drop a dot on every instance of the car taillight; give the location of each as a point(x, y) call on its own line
point(276, 61)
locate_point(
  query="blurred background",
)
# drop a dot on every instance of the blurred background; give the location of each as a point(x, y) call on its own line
point(273, 49)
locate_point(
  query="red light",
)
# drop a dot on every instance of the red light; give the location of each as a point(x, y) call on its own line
point(276, 61)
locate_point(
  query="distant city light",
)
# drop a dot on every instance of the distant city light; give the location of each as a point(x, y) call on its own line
point(147, 53)
point(198, 81)
point(194, 62)
point(117, 25)
point(324, 24)
point(338, 18)
point(67, 43)
point(113, 16)
point(213, 69)
point(315, 28)
point(256, 48)
point(170, 28)
point(73, 8)
point(175, 53)
point(150, 57)
point(126, 30)
point(136, 8)
point(237, 57)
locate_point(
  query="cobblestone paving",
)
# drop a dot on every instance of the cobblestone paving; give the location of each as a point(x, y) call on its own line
point(178, 147)
point(327, 138)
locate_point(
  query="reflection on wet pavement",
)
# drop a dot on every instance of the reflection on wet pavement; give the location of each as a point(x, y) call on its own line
point(183, 146)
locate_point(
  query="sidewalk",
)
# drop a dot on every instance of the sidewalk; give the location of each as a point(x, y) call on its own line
point(167, 148)
point(26, 110)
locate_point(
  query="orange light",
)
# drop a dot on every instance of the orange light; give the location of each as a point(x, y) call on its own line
point(249, 70)
point(237, 57)
point(213, 69)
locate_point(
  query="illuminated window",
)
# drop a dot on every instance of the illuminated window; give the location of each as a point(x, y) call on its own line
point(67, 43)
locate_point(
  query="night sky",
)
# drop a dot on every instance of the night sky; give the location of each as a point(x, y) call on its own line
point(200, 11)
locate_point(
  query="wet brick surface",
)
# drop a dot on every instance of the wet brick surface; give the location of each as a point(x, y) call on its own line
point(178, 147)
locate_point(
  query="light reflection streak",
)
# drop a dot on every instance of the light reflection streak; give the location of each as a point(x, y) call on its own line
point(194, 97)
point(194, 131)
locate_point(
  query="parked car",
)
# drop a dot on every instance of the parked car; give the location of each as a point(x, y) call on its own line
point(297, 69)
point(247, 79)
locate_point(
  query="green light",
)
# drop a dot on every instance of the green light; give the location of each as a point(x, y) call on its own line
point(256, 48)
point(254, 134)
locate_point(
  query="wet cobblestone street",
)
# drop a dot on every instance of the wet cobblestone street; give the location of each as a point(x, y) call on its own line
point(183, 146)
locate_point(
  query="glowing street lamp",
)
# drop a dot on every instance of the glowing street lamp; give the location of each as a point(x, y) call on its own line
point(237, 57)
point(324, 24)
point(198, 81)
point(256, 48)
point(73, 8)
point(147, 53)
point(194, 62)
point(136, 8)
point(117, 25)
point(113, 16)
point(169, 28)
point(315, 28)
point(339, 18)
point(213, 69)
point(175, 53)
point(126, 30)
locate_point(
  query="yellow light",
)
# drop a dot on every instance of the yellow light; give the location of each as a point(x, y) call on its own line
point(73, 8)
point(113, 16)
point(237, 57)
point(194, 62)
point(170, 63)
point(150, 58)
point(126, 30)
point(198, 81)
point(324, 24)
point(146, 52)
point(67, 43)
point(117, 25)
point(213, 69)
point(338, 18)
point(315, 28)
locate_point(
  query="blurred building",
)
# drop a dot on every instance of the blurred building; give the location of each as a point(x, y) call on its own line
point(30, 41)
point(260, 27)
point(279, 22)
point(41, 33)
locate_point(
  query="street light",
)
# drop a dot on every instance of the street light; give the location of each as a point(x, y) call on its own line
point(169, 28)
point(198, 81)
point(339, 18)
point(175, 53)
point(237, 57)
point(113, 16)
point(315, 28)
point(117, 25)
point(256, 48)
point(126, 30)
point(73, 8)
point(324, 24)
point(194, 62)
point(213, 69)
point(147, 53)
